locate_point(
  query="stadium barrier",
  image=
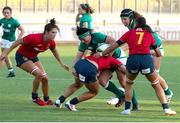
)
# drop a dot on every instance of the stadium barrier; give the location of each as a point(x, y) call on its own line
point(168, 32)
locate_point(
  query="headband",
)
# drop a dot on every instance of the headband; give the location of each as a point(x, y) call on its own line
point(83, 35)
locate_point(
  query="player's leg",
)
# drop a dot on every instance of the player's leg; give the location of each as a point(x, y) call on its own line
point(93, 89)
point(44, 80)
point(154, 79)
point(68, 92)
point(30, 67)
point(128, 92)
point(104, 80)
point(5, 46)
point(163, 83)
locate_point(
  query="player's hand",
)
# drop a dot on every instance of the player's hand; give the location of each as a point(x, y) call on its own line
point(73, 71)
point(96, 55)
point(65, 67)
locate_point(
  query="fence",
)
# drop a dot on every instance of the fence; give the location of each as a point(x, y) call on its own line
point(100, 6)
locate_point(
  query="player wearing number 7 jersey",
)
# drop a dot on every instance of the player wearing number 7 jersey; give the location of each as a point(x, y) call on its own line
point(139, 40)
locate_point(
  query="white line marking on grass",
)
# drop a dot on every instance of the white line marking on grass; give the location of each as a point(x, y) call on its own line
point(69, 79)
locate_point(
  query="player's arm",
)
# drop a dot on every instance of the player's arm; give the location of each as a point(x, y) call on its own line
point(22, 32)
point(156, 49)
point(79, 55)
point(112, 47)
point(7, 51)
point(58, 58)
point(110, 40)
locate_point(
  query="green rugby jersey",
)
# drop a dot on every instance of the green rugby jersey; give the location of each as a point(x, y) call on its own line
point(86, 18)
point(96, 39)
point(9, 28)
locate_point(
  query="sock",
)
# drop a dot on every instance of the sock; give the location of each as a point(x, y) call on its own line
point(62, 99)
point(74, 101)
point(111, 87)
point(134, 98)
point(46, 98)
point(127, 105)
point(165, 106)
point(167, 91)
point(10, 69)
point(34, 96)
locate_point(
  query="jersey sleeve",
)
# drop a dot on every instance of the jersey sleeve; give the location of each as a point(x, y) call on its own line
point(17, 24)
point(124, 38)
point(52, 45)
point(157, 39)
point(82, 47)
point(100, 37)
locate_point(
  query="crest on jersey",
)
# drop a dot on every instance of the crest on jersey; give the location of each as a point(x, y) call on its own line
point(9, 25)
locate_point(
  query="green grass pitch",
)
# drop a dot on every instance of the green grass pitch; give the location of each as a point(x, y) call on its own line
point(16, 105)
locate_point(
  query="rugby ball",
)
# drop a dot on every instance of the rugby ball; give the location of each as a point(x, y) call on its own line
point(102, 47)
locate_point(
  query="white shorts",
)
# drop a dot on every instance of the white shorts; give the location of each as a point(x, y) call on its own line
point(6, 43)
point(122, 58)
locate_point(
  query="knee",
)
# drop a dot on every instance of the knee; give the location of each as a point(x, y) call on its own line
point(129, 81)
point(94, 92)
point(77, 85)
point(42, 76)
point(155, 83)
point(103, 82)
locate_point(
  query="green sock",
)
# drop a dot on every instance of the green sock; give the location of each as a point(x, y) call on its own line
point(167, 91)
point(134, 98)
point(112, 88)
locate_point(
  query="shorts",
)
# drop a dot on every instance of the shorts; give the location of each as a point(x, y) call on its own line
point(140, 63)
point(87, 71)
point(20, 59)
point(6, 43)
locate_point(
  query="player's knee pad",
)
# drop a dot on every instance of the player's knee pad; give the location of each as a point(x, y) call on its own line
point(129, 81)
point(155, 82)
point(44, 76)
point(34, 69)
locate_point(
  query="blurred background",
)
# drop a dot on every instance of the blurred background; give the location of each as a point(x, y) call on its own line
point(162, 15)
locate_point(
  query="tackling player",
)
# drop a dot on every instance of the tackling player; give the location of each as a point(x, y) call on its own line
point(26, 58)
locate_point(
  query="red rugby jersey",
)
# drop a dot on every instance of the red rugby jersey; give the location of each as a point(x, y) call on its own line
point(105, 63)
point(34, 44)
point(139, 41)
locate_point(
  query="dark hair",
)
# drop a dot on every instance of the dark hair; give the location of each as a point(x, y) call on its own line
point(136, 15)
point(141, 23)
point(48, 27)
point(87, 8)
point(81, 31)
point(7, 7)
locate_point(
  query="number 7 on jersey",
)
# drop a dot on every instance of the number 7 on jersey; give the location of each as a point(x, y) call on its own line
point(141, 34)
